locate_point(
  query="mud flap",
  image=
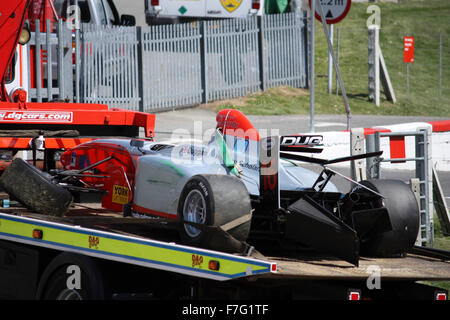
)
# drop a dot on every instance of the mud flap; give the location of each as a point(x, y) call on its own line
point(314, 226)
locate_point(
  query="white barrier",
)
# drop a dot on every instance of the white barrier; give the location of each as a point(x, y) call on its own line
point(337, 144)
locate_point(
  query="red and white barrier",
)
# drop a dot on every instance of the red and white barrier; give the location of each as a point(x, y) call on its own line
point(337, 144)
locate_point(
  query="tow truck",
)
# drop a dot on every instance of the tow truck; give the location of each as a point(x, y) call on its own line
point(94, 252)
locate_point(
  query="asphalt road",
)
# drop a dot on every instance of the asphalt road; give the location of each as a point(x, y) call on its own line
point(199, 119)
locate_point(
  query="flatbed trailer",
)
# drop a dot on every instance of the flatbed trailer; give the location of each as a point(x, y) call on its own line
point(93, 253)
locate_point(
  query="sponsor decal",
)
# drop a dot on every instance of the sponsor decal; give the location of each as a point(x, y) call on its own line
point(298, 141)
point(241, 145)
point(37, 116)
point(120, 194)
point(93, 242)
point(197, 260)
point(231, 5)
point(205, 191)
point(192, 151)
point(249, 166)
point(227, 122)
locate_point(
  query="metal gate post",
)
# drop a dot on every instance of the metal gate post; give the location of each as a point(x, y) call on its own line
point(376, 165)
point(38, 61)
point(48, 47)
point(61, 83)
point(372, 163)
point(140, 70)
point(423, 172)
point(358, 169)
point(77, 61)
point(203, 62)
point(262, 53)
point(415, 187)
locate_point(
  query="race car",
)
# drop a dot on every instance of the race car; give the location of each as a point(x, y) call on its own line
point(252, 187)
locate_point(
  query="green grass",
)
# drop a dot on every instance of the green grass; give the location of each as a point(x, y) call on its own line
point(425, 20)
point(440, 242)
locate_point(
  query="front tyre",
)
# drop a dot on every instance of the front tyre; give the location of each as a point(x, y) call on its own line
point(213, 200)
point(35, 189)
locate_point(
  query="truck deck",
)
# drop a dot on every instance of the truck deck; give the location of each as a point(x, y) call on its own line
point(91, 230)
point(412, 267)
point(103, 240)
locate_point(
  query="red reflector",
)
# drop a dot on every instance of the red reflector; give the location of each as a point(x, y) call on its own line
point(354, 295)
point(273, 267)
point(255, 5)
point(37, 234)
point(155, 2)
point(213, 265)
point(441, 296)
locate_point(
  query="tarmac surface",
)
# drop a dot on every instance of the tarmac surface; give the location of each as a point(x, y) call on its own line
point(191, 118)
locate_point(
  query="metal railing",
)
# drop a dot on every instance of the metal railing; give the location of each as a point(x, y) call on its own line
point(422, 173)
point(110, 68)
point(284, 51)
point(231, 58)
point(169, 66)
point(50, 54)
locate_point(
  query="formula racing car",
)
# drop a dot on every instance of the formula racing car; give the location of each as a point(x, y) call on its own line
point(252, 187)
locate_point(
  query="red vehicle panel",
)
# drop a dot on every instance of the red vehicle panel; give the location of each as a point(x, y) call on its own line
point(117, 173)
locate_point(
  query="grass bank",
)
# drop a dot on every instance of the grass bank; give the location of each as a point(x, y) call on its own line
point(425, 20)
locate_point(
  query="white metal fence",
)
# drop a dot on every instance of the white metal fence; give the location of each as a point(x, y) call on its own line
point(50, 54)
point(232, 58)
point(284, 51)
point(110, 72)
point(170, 66)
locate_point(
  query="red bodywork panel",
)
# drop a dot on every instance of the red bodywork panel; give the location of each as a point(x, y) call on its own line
point(64, 116)
point(120, 170)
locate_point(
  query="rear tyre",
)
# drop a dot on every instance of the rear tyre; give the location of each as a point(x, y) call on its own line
point(35, 189)
point(71, 277)
point(403, 212)
point(213, 200)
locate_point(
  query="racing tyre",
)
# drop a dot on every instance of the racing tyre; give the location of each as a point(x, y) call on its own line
point(403, 212)
point(213, 200)
point(35, 189)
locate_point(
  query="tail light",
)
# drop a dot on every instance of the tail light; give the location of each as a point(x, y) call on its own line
point(354, 294)
point(256, 4)
point(155, 2)
point(440, 295)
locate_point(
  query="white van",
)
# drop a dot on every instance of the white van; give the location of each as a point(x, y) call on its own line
point(172, 11)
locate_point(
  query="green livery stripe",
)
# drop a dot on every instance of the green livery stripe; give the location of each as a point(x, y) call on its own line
point(160, 255)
